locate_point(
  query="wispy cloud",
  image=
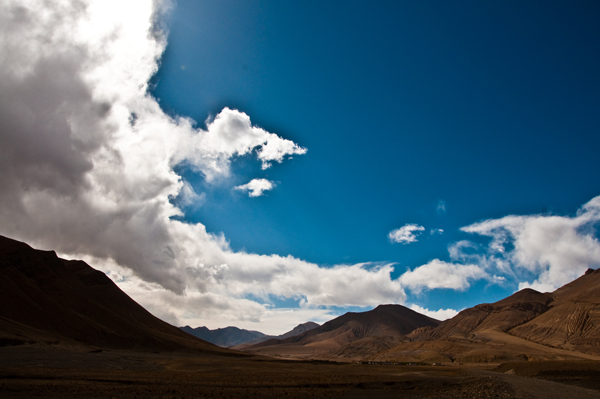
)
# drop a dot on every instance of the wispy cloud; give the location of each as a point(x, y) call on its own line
point(256, 187)
point(405, 234)
point(188, 197)
point(542, 252)
point(555, 249)
point(440, 207)
point(461, 250)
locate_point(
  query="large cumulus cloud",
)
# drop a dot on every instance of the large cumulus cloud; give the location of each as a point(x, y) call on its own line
point(87, 160)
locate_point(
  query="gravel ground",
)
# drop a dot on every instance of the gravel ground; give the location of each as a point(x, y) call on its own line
point(64, 375)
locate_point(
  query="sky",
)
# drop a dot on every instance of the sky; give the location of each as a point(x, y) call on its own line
point(265, 163)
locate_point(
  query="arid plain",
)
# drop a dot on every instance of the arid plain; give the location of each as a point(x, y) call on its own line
point(60, 372)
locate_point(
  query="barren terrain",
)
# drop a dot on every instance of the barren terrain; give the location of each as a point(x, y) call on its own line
point(36, 371)
point(67, 331)
point(526, 326)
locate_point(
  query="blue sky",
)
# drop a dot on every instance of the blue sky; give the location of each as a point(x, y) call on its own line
point(265, 163)
point(488, 108)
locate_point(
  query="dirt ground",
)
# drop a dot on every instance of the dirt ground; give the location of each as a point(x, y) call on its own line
point(33, 372)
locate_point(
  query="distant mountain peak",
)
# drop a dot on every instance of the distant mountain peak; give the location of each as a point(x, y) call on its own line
point(358, 331)
point(231, 336)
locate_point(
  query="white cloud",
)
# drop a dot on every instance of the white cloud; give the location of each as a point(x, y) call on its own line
point(440, 274)
point(256, 187)
point(209, 309)
point(405, 234)
point(555, 249)
point(215, 295)
point(230, 134)
point(441, 314)
point(189, 198)
point(436, 231)
point(440, 207)
point(457, 250)
point(87, 160)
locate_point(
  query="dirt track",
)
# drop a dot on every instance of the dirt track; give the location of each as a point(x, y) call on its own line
point(527, 387)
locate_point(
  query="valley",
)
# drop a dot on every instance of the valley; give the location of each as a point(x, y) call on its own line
point(67, 331)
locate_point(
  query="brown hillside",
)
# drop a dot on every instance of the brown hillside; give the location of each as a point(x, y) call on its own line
point(573, 320)
point(376, 329)
point(47, 299)
point(528, 325)
point(501, 316)
point(299, 329)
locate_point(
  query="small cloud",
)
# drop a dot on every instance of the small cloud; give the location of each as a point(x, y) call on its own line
point(440, 274)
point(440, 207)
point(256, 187)
point(441, 314)
point(436, 231)
point(405, 234)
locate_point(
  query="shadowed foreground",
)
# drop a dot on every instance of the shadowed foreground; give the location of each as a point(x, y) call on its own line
point(30, 372)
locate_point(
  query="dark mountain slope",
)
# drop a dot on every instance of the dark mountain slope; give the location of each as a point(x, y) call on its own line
point(44, 298)
point(224, 337)
point(383, 321)
point(378, 327)
point(236, 338)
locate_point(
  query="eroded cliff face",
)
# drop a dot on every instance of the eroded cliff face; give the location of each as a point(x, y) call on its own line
point(528, 325)
point(573, 319)
point(567, 318)
point(503, 315)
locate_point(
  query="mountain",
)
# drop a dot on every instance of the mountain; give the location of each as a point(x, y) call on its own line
point(528, 325)
point(48, 300)
point(573, 318)
point(350, 335)
point(502, 316)
point(224, 337)
point(299, 329)
point(236, 338)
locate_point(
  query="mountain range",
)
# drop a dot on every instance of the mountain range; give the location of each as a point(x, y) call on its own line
point(238, 338)
point(46, 300)
point(528, 325)
point(361, 333)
